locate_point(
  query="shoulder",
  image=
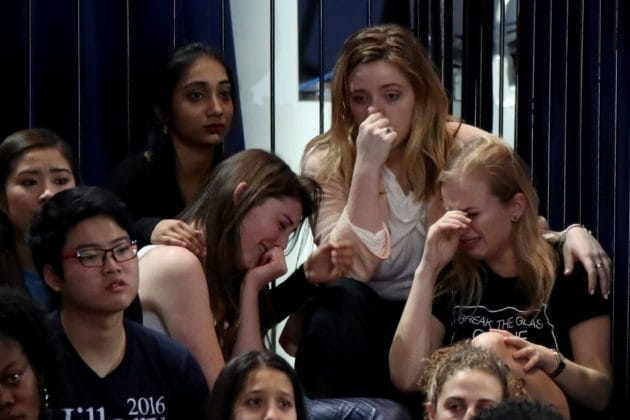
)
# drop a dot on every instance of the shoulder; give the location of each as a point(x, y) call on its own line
point(170, 259)
point(463, 133)
point(127, 172)
point(170, 273)
point(133, 162)
point(312, 160)
point(161, 350)
point(146, 337)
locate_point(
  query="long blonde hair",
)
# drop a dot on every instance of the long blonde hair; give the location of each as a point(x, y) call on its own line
point(492, 160)
point(429, 141)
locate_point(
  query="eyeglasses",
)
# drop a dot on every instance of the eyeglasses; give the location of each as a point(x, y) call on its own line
point(95, 257)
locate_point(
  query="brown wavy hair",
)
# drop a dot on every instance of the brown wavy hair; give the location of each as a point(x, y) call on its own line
point(216, 213)
point(447, 361)
point(429, 141)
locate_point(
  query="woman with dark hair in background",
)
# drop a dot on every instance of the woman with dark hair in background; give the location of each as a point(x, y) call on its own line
point(35, 164)
point(193, 110)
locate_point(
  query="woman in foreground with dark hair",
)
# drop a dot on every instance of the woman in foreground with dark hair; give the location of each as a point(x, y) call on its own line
point(26, 361)
point(257, 385)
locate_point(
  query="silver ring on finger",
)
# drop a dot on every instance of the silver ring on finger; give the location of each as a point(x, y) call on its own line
point(598, 266)
point(388, 130)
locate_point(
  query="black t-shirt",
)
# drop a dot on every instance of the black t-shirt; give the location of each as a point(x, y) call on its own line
point(157, 378)
point(501, 307)
point(150, 191)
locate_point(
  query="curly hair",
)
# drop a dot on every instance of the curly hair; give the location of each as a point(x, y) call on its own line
point(447, 361)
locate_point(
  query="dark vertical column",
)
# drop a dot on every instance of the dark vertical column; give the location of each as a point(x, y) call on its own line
point(477, 65)
point(15, 46)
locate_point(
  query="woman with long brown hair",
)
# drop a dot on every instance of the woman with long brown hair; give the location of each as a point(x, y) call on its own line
point(220, 305)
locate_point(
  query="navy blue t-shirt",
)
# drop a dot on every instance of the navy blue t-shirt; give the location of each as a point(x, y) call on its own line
point(157, 378)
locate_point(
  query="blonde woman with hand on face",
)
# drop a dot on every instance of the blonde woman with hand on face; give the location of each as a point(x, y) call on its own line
point(221, 305)
point(487, 273)
point(378, 164)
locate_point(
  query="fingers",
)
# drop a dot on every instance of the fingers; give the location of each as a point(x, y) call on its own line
point(606, 278)
point(567, 256)
point(187, 237)
point(330, 261)
point(502, 332)
point(515, 341)
point(272, 265)
point(581, 245)
point(341, 255)
point(454, 219)
point(378, 125)
point(175, 232)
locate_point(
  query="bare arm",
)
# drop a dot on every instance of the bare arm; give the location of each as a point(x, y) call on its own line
point(373, 147)
point(417, 336)
point(249, 334)
point(362, 205)
point(587, 379)
point(419, 333)
point(536, 383)
point(173, 285)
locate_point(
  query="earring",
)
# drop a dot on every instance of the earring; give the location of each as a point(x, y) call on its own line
point(514, 219)
point(45, 396)
point(164, 129)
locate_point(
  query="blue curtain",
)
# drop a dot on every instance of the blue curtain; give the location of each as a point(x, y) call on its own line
point(80, 67)
point(573, 128)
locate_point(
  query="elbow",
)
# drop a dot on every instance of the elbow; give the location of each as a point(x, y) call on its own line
point(601, 403)
point(403, 382)
point(400, 374)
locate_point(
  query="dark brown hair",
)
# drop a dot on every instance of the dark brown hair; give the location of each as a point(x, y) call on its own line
point(216, 213)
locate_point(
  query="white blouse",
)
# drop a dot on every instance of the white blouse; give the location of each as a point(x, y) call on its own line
point(407, 226)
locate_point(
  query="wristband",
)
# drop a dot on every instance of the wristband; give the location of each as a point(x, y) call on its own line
point(563, 234)
point(561, 364)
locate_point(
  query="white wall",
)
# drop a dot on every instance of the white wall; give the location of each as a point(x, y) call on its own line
point(296, 122)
